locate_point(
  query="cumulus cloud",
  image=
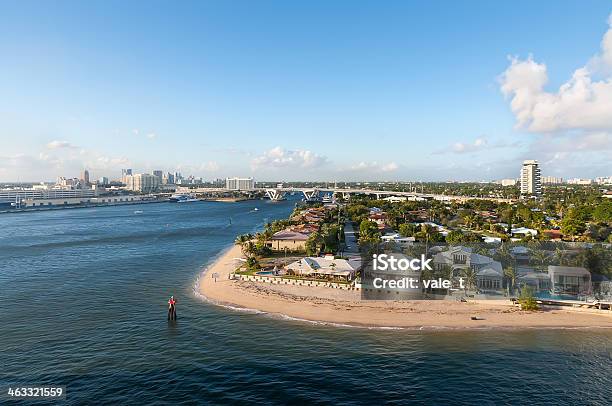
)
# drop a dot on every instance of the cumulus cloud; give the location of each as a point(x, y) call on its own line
point(374, 167)
point(583, 103)
point(280, 158)
point(210, 166)
point(56, 144)
point(479, 144)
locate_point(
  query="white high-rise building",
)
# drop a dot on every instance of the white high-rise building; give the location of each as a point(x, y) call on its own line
point(531, 181)
point(239, 183)
point(551, 180)
point(507, 182)
point(142, 182)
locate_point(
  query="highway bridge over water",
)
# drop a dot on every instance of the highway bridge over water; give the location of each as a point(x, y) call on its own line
point(279, 193)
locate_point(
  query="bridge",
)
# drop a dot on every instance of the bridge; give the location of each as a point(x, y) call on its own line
point(276, 194)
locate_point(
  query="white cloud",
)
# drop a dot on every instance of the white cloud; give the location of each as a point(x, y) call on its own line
point(374, 167)
point(479, 144)
point(390, 167)
point(583, 103)
point(151, 136)
point(210, 166)
point(281, 158)
point(56, 144)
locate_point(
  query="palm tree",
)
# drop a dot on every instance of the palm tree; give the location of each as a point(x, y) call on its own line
point(470, 278)
point(242, 240)
point(247, 246)
point(510, 274)
point(540, 257)
point(560, 255)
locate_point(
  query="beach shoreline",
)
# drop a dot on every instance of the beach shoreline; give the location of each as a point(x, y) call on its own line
point(345, 308)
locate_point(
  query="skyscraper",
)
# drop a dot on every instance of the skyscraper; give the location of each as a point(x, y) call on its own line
point(85, 177)
point(531, 182)
point(124, 174)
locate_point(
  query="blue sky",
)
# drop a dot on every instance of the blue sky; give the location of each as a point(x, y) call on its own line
point(299, 91)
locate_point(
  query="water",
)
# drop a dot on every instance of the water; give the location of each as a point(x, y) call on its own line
point(84, 292)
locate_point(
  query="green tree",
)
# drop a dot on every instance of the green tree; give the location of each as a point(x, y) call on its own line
point(527, 299)
point(572, 224)
point(313, 244)
point(368, 230)
point(407, 230)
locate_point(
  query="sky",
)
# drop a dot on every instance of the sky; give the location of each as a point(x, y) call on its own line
point(311, 90)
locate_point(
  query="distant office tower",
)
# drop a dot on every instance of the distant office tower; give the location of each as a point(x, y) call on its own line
point(85, 177)
point(159, 174)
point(508, 182)
point(551, 180)
point(168, 179)
point(239, 184)
point(124, 174)
point(531, 182)
point(103, 181)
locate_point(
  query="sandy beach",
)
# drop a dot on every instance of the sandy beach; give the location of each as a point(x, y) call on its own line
point(345, 307)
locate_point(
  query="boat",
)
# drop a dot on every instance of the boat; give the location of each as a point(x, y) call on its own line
point(183, 198)
point(255, 209)
point(138, 212)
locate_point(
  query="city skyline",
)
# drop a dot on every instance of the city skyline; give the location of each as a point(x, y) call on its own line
point(370, 94)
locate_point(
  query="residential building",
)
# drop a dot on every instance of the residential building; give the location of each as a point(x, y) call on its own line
point(159, 174)
point(287, 240)
point(142, 182)
point(538, 281)
point(124, 174)
point(461, 260)
point(508, 182)
point(551, 180)
point(578, 181)
point(326, 267)
point(570, 280)
point(397, 239)
point(531, 182)
point(239, 183)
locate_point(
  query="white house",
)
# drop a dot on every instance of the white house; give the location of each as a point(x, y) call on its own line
point(323, 267)
point(396, 238)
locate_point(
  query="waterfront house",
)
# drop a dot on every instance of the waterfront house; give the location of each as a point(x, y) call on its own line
point(538, 281)
point(570, 280)
point(326, 267)
point(520, 255)
point(287, 240)
point(489, 273)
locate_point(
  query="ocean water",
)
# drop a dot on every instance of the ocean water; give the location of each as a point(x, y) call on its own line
point(84, 294)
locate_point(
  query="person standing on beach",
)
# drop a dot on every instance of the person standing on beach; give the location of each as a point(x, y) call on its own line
point(172, 308)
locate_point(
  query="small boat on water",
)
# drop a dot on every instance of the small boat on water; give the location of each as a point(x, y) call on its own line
point(255, 209)
point(138, 212)
point(183, 198)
